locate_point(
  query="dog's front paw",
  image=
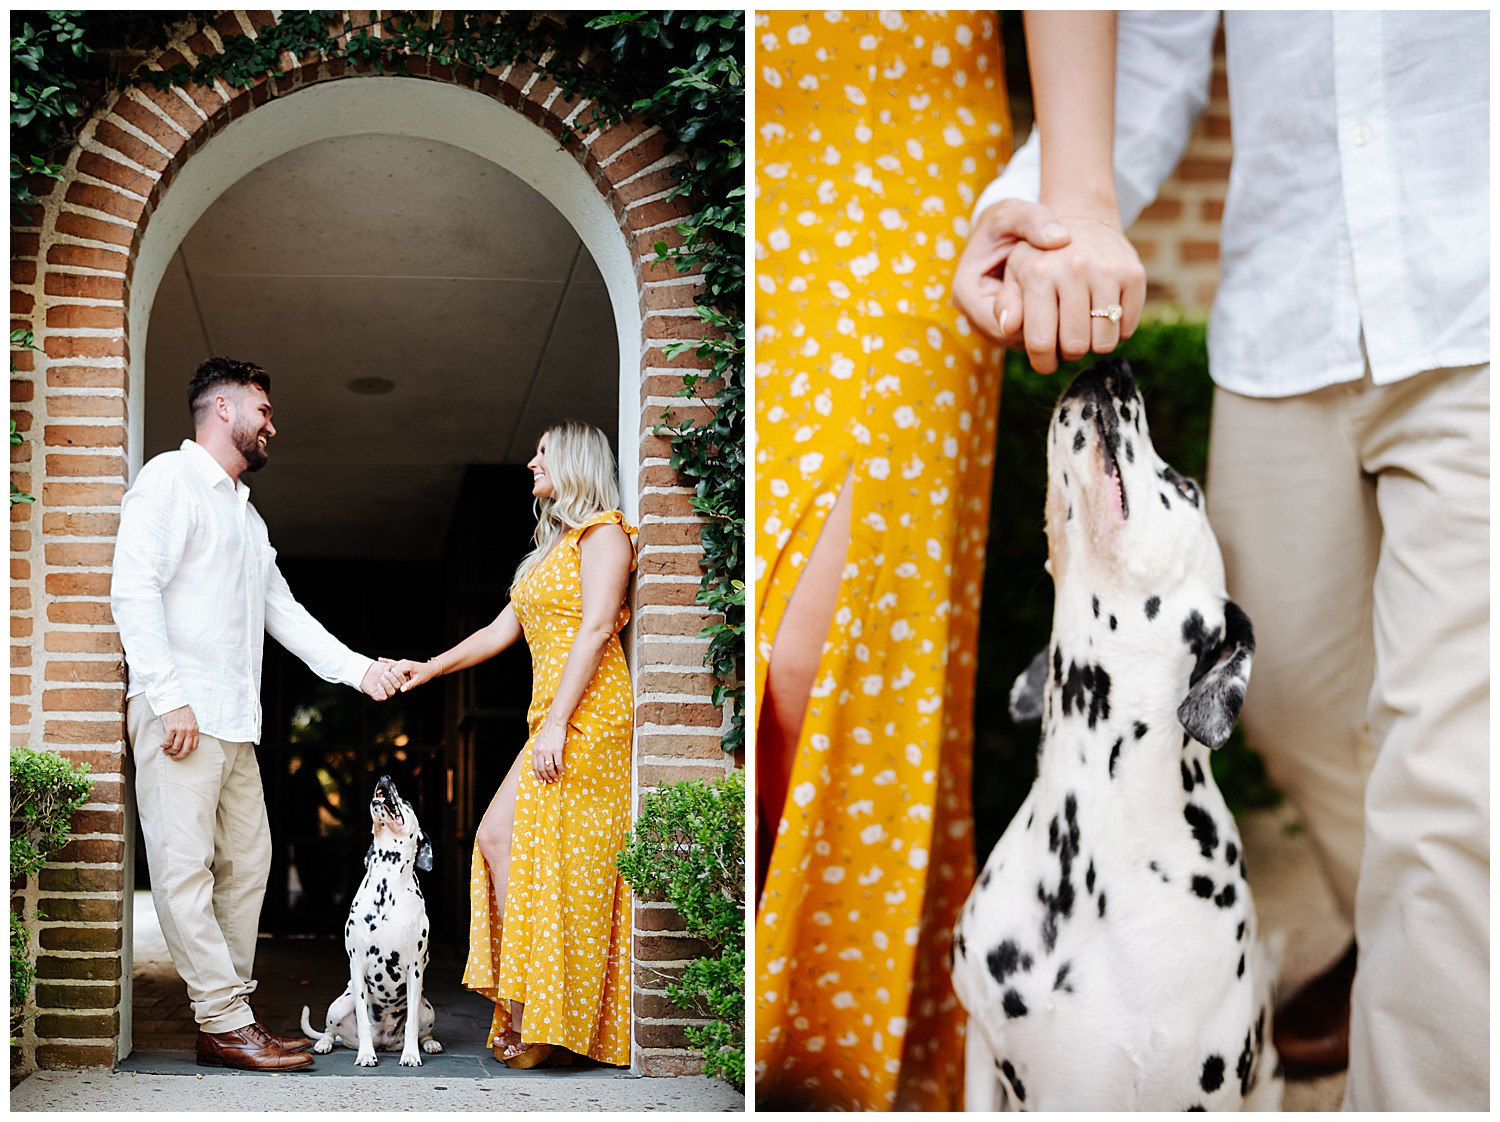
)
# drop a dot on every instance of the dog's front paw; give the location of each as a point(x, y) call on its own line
point(411, 1059)
point(431, 1046)
point(323, 1046)
point(366, 1059)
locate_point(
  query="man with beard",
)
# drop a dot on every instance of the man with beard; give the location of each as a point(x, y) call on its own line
point(195, 588)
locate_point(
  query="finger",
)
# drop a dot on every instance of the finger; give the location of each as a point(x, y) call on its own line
point(1105, 333)
point(1010, 310)
point(1039, 329)
point(1033, 223)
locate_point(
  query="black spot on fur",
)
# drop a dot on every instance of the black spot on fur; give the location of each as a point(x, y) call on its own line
point(1062, 415)
point(1240, 931)
point(1101, 905)
point(1202, 642)
point(1245, 1065)
point(1113, 623)
point(1087, 690)
point(1140, 730)
point(1239, 971)
point(1231, 854)
point(1014, 1006)
point(984, 881)
point(1187, 778)
point(1225, 899)
point(1162, 495)
point(1015, 1081)
point(1078, 440)
point(1057, 677)
point(1062, 982)
point(1129, 452)
point(1213, 1074)
point(1005, 960)
point(1203, 887)
point(1096, 607)
point(1198, 771)
point(1153, 606)
point(1205, 833)
point(1088, 879)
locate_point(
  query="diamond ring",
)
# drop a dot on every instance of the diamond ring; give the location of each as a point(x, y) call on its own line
point(1111, 313)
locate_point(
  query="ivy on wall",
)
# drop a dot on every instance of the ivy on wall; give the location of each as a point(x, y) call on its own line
point(681, 70)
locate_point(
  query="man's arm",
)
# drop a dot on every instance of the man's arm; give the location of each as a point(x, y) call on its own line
point(1163, 66)
point(293, 626)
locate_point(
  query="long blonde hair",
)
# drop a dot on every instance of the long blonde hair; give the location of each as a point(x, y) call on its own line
point(583, 484)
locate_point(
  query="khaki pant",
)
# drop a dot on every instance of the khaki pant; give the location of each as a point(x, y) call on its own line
point(1355, 528)
point(208, 843)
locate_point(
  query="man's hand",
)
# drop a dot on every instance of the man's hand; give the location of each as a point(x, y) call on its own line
point(381, 680)
point(179, 733)
point(547, 755)
point(979, 276)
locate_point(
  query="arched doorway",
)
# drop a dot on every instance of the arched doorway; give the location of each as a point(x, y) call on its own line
point(424, 313)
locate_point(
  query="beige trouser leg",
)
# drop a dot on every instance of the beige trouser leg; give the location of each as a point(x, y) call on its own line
point(208, 843)
point(1355, 528)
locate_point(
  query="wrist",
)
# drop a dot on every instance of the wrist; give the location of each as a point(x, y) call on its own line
point(436, 663)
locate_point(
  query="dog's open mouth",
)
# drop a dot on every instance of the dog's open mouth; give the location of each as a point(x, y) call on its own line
point(389, 804)
point(1114, 482)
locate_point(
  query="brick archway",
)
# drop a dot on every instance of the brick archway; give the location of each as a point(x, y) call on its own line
point(76, 286)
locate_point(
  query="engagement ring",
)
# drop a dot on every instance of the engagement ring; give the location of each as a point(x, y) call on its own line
point(1111, 313)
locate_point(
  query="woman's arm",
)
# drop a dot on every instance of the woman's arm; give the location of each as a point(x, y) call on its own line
point(605, 554)
point(1072, 57)
point(500, 633)
point(1031, 272)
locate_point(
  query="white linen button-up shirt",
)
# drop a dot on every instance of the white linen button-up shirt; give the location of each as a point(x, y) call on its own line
point(196, 588)
point(1357, 220)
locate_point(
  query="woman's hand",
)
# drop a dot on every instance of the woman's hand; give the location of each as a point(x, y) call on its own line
point(979, 277)
point(1052, 293)
point(416, 673)
point(547, 754)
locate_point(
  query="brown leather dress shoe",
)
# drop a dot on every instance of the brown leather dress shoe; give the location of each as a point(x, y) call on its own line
point(288, 1043)
point(250, 1048)
point(1312, 1029)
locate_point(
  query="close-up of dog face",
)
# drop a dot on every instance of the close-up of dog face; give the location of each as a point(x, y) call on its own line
point(393, 817)
point(1117, 513)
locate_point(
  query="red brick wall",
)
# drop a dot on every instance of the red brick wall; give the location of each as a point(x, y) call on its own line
point(71, 273)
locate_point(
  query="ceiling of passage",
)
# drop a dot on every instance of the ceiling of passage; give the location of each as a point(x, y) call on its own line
point(394, 259)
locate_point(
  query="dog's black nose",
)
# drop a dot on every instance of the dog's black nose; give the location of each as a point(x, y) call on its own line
point(1108, 380)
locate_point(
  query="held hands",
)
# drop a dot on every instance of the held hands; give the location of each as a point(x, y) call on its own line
point(381, 680)
point(1027, 278)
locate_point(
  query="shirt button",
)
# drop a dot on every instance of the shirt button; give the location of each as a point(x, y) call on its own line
point(1361, 136)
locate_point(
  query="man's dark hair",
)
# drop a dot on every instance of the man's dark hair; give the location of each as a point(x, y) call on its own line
point(216, 372)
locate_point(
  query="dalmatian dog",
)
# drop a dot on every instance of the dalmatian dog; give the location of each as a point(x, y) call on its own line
point(386, 941)
point(1108, 955)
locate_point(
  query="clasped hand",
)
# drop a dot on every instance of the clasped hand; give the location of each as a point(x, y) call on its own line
point(1029, 278)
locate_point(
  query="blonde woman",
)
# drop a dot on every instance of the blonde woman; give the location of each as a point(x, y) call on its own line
point(549, 934)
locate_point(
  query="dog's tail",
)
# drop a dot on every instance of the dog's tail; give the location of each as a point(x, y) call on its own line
point(307, 1028)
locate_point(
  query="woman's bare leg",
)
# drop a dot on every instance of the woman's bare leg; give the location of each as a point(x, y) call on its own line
point(494, 837)
point(793, 666)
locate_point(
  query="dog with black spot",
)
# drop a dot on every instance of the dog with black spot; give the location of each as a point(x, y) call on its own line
point(1108, 955)
point(386, 940)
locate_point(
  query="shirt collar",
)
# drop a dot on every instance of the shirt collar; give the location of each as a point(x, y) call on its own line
point(211, 471)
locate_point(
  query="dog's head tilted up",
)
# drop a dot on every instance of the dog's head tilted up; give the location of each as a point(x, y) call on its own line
point(1135, 563)
point(396, 835)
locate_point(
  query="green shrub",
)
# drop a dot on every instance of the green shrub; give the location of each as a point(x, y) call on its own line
point(1170, 361)
point(45, 790)
point(688, 848)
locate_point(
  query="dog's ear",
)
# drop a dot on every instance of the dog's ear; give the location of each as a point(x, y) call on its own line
point(1213, 703)
point(1026, 695)
point(424, 852)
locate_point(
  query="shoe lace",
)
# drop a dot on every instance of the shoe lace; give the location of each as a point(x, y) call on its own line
point(260, 1034)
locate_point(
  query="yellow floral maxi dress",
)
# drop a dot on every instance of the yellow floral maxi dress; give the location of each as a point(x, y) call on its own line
point(565, 950)
point(873, 129)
